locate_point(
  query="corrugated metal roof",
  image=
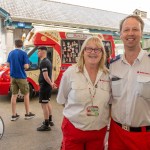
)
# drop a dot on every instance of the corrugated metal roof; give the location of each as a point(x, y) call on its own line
point(57, 13)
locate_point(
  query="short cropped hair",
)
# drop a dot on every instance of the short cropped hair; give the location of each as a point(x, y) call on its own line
point(18, 43)
point(138, 18)
point(42, 48)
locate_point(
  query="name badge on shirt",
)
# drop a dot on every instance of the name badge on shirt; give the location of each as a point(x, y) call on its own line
point(92, 111)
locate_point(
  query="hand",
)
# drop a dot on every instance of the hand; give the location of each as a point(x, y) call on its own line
point(54, 86)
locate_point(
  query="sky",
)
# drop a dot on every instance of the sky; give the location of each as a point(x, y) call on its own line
point(121, 6)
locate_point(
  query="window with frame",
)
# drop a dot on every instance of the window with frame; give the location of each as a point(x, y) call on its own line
point(70, 50)
point(33, 58)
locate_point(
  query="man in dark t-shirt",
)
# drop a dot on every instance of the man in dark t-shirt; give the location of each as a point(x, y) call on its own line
point(46, 86)
point(45, 65)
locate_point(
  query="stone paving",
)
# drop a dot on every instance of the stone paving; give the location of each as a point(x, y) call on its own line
point(22, 134)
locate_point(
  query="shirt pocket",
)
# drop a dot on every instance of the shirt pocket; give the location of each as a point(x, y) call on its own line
point(144, 86)
point(79, 92)
point(116, 87)
point(105, 85)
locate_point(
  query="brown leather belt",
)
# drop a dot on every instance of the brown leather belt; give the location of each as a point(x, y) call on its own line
point(134, 129)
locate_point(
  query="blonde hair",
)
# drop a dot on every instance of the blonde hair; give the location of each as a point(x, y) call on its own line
point(98, 42)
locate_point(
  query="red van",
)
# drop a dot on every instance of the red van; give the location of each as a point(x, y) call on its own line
point(63, 49)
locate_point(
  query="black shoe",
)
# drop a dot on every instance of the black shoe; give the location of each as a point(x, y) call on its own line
point(29, 116)
point(51, 123)
point(14, 118)
point(43, 127)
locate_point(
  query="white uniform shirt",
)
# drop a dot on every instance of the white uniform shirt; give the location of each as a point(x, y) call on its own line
point(74, 93)
point(131, 90)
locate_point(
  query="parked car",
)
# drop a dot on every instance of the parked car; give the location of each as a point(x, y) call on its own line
point(5, 83)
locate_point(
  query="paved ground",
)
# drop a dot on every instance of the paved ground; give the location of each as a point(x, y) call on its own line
point(22, 134)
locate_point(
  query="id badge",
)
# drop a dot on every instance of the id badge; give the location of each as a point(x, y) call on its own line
point(92, 111)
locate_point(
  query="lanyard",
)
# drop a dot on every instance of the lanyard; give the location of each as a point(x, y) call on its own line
point(92, 92)
point(92, 96)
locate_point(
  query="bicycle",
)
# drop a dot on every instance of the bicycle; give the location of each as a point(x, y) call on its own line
point(1, 127)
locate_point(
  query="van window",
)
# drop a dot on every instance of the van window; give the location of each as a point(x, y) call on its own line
point(34, 61)
point(50, 54)
point(70, 50)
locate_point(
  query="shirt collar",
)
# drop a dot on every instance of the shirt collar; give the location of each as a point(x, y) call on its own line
point(99, 74)
point(140, 56)
point(77, 68)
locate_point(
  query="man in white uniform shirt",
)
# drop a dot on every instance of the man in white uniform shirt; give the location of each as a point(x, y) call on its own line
point(130, 81)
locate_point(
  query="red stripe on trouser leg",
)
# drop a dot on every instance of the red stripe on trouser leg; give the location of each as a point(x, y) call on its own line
point(75, 139)
point(120, 139)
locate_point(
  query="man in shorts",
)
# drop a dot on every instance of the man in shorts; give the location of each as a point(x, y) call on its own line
point(46, 86)
point(18, 63)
